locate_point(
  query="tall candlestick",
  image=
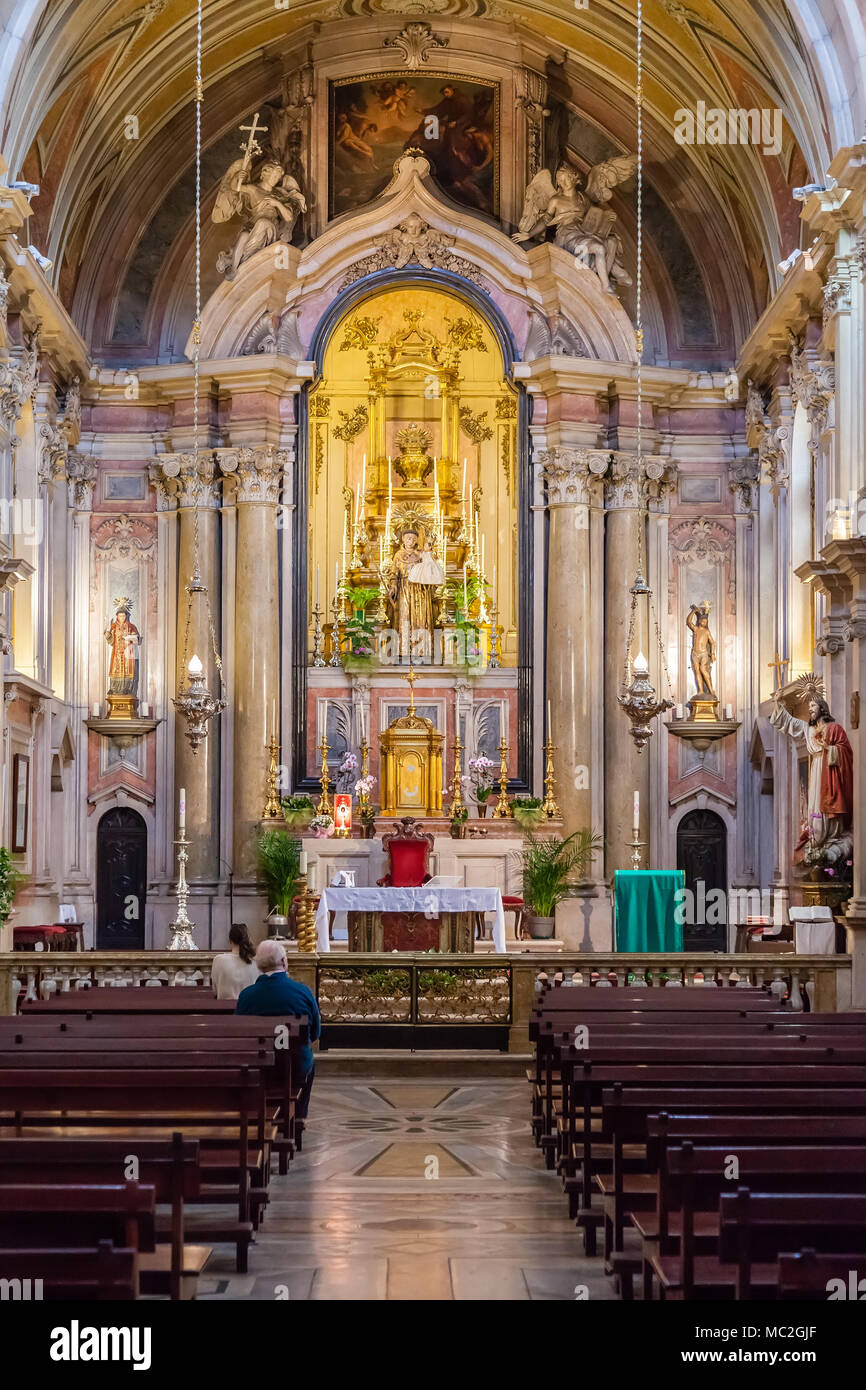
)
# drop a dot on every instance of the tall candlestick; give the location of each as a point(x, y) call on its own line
point(181, 811)
point(636, 821)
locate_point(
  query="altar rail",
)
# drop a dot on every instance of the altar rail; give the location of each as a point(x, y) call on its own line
point(438, 989)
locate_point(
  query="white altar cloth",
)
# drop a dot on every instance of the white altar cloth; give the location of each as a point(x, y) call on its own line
point(431, 901)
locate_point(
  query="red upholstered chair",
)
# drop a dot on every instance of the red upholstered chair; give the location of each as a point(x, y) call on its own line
point(408, 849)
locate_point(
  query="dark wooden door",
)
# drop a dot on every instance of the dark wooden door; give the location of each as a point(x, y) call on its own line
point(702, 851)
point(121, 880)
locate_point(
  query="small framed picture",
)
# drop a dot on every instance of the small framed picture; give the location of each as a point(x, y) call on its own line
point(20, 801)
point(67, 913)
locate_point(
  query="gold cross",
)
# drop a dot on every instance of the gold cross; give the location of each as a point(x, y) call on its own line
point(252, 146)
point(411, 678)
point(777, 666)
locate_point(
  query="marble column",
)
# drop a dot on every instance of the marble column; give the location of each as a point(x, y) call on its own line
point(198, 773)
point(572, 478)
point(259, 478)
point(626, 771)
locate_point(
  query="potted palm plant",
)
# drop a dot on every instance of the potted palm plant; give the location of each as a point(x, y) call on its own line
point(551, 870)
point(279, 864)
point(10, 882)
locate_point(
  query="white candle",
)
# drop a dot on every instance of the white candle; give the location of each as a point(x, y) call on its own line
point(494, 579)
point(302, 862)
point(465, 601)
point(317, 586)
point(363, 495)
point(679, 711)
point(636, 821)
point(336, 577)
point(274, 717)
point(181, 810)
point(389, 485)
point(729, 711)
point(483, 569)
point(549, 721)
point(463, 489)
point(145, 711)
point(96, 711)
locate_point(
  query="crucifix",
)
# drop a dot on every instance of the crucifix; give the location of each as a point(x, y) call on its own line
point(778, 665)
point(252, 146)
point(411, 678)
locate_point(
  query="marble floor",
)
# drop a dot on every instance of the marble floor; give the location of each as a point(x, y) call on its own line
point(410, 1190)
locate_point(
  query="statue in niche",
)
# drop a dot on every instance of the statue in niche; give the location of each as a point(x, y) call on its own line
point(826, 837)
point(414, 574)
point(703, 650)
point(584, 225)
point(124, 638)
point(269, 202)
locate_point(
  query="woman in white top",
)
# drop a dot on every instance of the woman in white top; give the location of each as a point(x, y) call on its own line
point(235, 970)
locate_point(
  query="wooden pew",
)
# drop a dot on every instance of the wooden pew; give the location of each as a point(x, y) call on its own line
point(170, 1166)
point(197, 1095)
point(756, 1227)
point(103, 1273)
point(44, 1216)
point(693, 1180)
point(808, 1275)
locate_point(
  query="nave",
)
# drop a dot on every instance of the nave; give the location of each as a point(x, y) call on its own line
point(356, 1218)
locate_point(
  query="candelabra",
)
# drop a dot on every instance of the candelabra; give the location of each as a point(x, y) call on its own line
point(636, 846)
point(457, 781)
point(336, 631)
point(549, 806)
point(306, 917)
point(364, 798)
point(360, 542)
point(318, 638)
point(324, 807)
point(182, 928)
point(502, 809)
point(273, 806)
point(495, 640)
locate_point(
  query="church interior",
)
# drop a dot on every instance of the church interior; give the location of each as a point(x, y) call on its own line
point(433, 623)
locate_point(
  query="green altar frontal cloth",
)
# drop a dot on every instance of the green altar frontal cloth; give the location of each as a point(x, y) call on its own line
point(645, 909)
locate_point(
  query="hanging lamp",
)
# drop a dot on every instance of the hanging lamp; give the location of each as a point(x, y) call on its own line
point(638, 696)
point(194, 700)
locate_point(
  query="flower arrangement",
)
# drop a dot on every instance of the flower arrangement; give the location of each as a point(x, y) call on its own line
point(481, 774)
point(346, 771)
point(298, 810)
point(322, 826)
point(527, 811)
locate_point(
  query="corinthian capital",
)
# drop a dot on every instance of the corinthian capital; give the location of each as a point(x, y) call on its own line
point(631, 481)
point(81, 479)
point(569, 475)
point(258, 472)
point(187, 480)
point(12, 394)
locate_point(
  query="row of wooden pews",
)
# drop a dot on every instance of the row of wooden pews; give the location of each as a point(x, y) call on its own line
point(133, 1139)
point(715, 1140)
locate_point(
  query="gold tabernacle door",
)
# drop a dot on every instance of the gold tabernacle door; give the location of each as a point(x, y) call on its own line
point(411, 771)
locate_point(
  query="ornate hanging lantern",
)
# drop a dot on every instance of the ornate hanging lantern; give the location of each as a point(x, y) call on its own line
point(194, 701)
point(638, 696)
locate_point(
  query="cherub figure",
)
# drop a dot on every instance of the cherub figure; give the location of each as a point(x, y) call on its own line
point(413, 239)
point(583, 224)
point(269, 205)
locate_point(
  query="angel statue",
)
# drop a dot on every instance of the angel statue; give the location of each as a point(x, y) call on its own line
point(584, 225)
point(269, 204)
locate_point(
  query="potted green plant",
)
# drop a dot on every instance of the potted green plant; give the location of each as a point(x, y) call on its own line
point(280, 867)
point(527, 811)
point(551, 870)
point(298, 811)
point(458, 823)
point(10, 882)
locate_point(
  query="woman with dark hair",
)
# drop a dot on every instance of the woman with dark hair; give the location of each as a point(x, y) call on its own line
point(236, 969)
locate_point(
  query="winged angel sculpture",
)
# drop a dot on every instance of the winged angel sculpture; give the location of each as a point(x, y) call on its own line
point(585, 226)
point(269, 204)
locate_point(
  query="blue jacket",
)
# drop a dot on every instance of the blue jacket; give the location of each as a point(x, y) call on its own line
point(275, 994)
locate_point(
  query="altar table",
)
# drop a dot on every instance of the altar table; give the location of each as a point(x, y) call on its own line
point(432, 902)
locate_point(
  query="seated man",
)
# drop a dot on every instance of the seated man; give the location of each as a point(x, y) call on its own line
point(274, 993)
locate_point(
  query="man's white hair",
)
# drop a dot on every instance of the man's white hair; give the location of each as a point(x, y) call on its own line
point(270, 955)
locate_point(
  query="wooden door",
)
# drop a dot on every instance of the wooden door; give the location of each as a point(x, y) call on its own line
point(121, 880)
point(702, 852)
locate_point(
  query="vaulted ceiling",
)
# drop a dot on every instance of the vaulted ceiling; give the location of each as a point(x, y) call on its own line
point(114, 213)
